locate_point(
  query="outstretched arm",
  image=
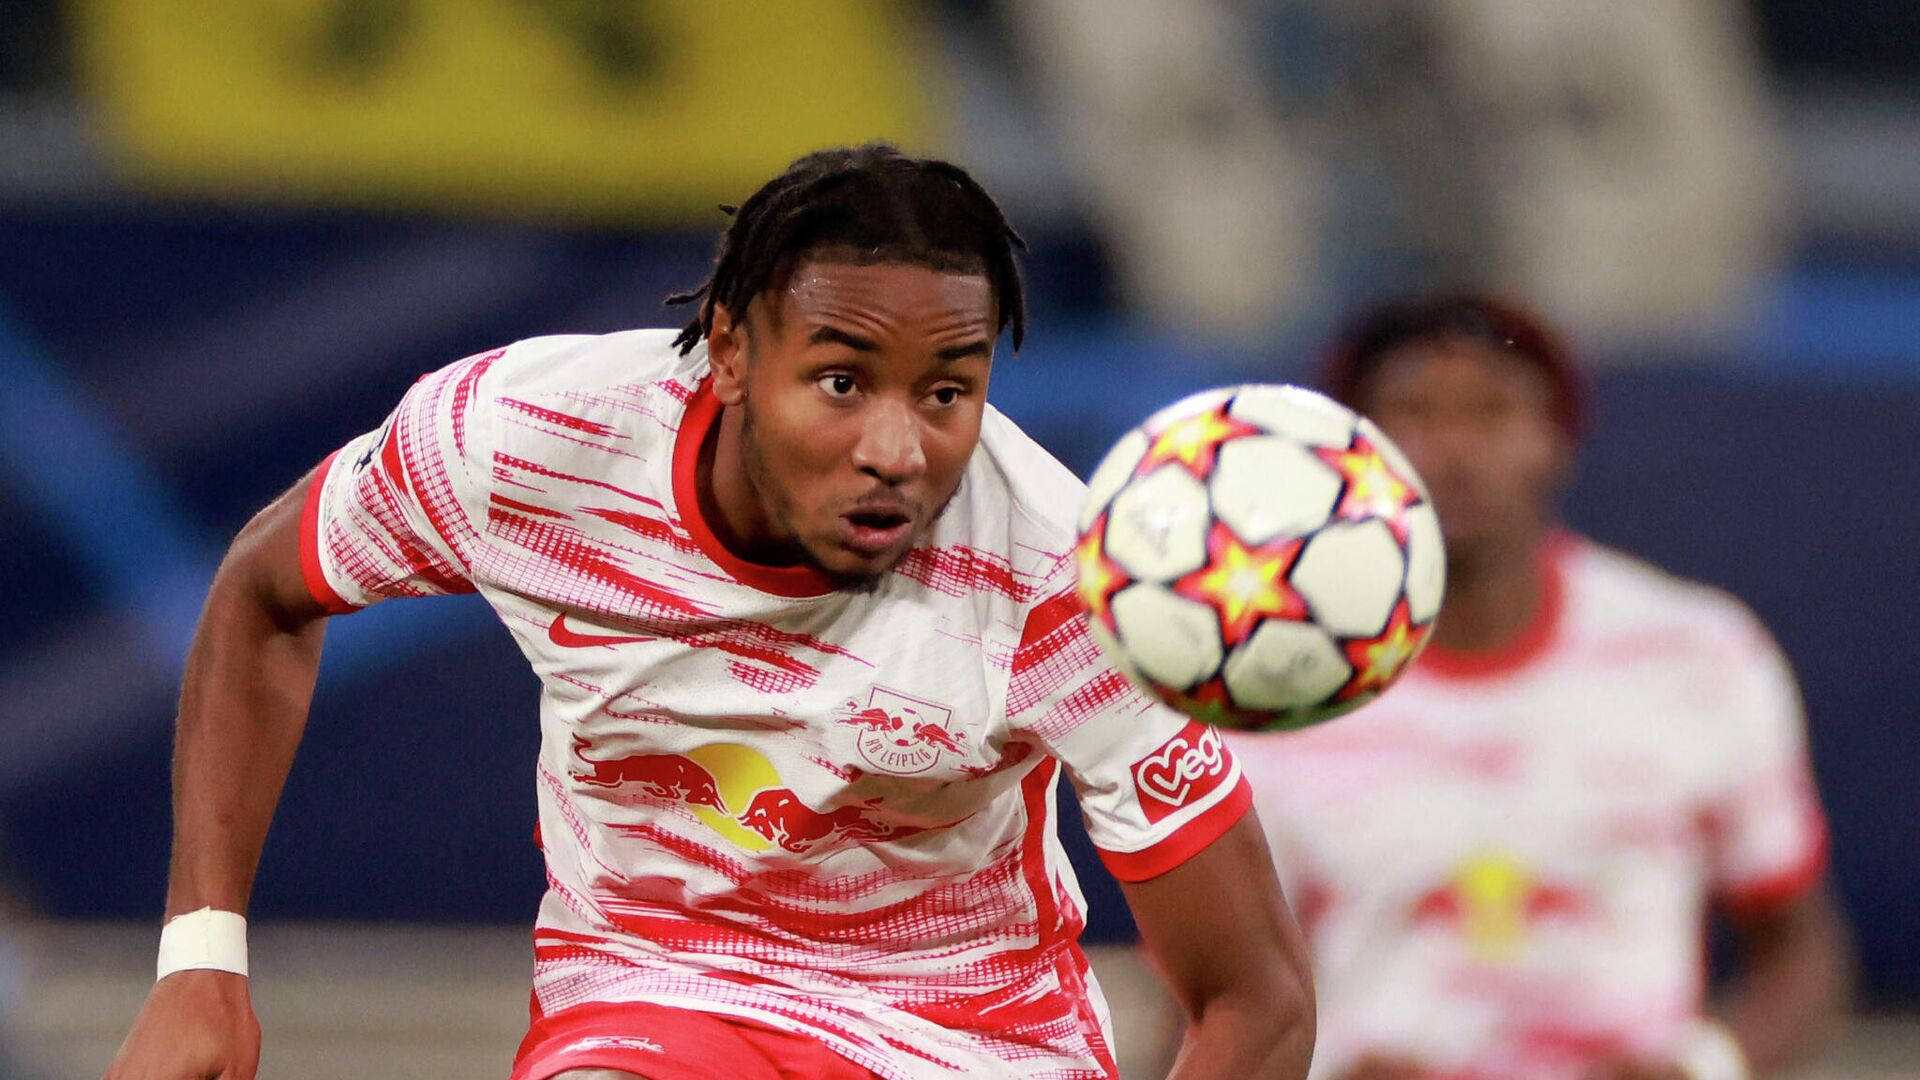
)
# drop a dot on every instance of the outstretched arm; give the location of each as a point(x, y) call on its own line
point(243, 705)
point(1223, 938)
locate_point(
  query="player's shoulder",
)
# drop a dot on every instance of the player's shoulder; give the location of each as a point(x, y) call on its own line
point(587, 362)
point(1619, 595)
point(1008, 532)
point(1041, 496)
point(566, 401)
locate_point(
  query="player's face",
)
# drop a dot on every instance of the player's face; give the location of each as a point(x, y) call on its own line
point(861, 389)
point(1476, 424)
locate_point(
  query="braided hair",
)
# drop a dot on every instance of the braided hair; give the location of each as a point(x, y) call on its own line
point(875, 202)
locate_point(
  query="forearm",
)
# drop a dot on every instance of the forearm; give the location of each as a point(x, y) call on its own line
point(249, 681)
point(1792, 994)
point(1238, 968)
point(1782, 1011)
point(1270, 1039)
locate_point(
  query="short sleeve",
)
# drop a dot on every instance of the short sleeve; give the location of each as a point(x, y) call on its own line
point(388, 514)
point(1767, 834)
point(1155, 788)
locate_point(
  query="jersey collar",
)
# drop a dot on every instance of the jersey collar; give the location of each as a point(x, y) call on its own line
point(1533, 643)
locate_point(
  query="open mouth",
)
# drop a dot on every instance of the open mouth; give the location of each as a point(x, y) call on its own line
point(872, 531)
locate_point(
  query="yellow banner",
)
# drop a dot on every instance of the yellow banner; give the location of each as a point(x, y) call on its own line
point(634, 110)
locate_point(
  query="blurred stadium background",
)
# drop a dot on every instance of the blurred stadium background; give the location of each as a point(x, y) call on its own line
point(232, 234)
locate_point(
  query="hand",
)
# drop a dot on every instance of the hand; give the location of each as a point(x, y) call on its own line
point(196, 1025)
point(1385, 1067)
point(1633, 1068)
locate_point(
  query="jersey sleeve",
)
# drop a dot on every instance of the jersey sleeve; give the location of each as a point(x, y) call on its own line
point(1767, 834)
point(1155, 788)
point(391, 513)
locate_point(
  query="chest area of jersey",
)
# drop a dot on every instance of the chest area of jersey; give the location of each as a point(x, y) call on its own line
point(1477, 802)
point(901, 708)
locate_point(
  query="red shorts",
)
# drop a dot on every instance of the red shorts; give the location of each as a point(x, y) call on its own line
point(662, 1043)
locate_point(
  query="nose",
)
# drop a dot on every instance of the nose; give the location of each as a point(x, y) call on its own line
point(1444, 454)
point(889, 446)
point(1440, 447)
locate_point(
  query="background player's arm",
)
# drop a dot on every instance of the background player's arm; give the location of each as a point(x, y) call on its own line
point(1789, 996)
point(1796, 966)
point(1769, 851)
point(1219, 929)
point(249, 679)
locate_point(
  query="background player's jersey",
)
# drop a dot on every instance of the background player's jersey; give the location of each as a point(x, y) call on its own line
point(1503, 865)
point(825, 811)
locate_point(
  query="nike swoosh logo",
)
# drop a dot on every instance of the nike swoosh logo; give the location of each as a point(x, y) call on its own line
point(559, 633)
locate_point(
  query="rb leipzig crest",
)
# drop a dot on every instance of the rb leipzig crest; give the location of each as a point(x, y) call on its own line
point(900, 734)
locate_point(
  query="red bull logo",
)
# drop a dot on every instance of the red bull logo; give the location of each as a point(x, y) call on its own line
point(778, 815)
point(663, 776)
point(711, 781)
point(1496, 903)
point(900, 734)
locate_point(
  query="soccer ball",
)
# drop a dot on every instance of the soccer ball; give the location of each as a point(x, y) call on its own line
point(1260, 557)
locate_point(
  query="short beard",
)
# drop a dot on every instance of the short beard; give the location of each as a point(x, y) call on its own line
point(779, 511)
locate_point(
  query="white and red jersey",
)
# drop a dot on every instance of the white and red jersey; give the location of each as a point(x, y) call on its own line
point(1503, 866)
point(826, 811)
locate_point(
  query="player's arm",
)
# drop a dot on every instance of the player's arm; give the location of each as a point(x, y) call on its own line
point(1767, 851)
point(1221, 934)
point(1769, 854)
point(249, 679)
point(1796, 965)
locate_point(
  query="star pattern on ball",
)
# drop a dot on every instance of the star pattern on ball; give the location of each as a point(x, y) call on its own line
point(1194, 441)
point(1377, 660)
point(1245, 584)
point(1372, 488)
point(1099, 576)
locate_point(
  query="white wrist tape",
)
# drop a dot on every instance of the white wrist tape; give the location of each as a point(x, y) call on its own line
point(1708, 1051)
point(203, 940)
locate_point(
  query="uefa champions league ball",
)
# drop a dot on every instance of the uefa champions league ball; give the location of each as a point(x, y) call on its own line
point(1260, 557)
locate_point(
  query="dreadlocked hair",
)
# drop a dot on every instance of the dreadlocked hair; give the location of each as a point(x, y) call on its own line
point(875, 203)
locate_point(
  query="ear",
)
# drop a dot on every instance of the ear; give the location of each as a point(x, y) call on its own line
point(727, 352)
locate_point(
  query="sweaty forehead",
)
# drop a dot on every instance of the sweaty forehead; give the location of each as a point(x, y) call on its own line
point(890, 297)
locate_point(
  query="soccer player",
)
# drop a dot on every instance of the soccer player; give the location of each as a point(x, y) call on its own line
point(802, 610)
point(1504, 866)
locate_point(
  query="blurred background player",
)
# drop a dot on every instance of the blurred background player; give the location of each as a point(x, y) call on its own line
point(810, 668)
point(1505, 865)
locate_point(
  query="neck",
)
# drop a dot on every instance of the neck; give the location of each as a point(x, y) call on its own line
point(1494, 594)
point(729, 500)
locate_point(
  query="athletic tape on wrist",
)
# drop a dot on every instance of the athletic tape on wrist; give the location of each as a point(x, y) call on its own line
point(1708, 1051)
point(203, 940)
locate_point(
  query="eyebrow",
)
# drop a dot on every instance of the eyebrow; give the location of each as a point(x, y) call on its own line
point(832, 335)
point(828, 335)
point(977, 347)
